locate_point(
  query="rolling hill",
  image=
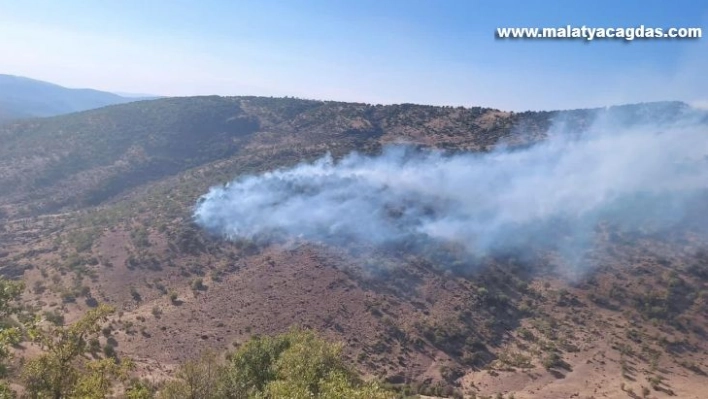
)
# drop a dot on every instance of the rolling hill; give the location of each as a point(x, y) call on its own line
point(22, 97)
point(97, 206)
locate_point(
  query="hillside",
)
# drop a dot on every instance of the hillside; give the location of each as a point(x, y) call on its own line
point(25, 98)
point(97, 207)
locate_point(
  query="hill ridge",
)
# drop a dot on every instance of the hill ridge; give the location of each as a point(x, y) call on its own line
point(23, 97)
point(99, 204)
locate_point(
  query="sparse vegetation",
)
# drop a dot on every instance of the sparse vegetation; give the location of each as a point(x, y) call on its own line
point(62, 371)
point(102, 213)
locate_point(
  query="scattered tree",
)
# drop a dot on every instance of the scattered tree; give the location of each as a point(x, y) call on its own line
point(63, 371)
point(10, 333)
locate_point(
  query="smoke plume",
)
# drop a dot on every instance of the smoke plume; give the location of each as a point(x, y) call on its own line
point(553, 193)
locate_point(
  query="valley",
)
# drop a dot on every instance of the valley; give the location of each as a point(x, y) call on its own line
point(97, 207)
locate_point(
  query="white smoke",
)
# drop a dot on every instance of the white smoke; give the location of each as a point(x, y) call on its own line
point(507, 199)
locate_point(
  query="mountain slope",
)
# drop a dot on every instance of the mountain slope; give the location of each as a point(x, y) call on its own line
point(87, 158)
point(97, 207)
point(23, 98)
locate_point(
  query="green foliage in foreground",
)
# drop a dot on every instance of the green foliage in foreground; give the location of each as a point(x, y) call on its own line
point(63, 370)
point(10, 334)
point(295, 365)
point(290, 366)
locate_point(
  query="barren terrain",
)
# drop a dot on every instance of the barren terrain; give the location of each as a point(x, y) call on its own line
point(96, 207)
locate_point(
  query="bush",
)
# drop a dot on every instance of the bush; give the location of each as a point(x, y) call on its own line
point(553, 360)
point(135, 294)
point(294, 365)
point(109, 351)
point(198, 284)
point(54, 317)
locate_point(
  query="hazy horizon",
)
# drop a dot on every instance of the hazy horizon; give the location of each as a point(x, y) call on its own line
point(398, 52)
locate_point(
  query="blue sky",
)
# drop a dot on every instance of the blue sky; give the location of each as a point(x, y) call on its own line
point(431, 52)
